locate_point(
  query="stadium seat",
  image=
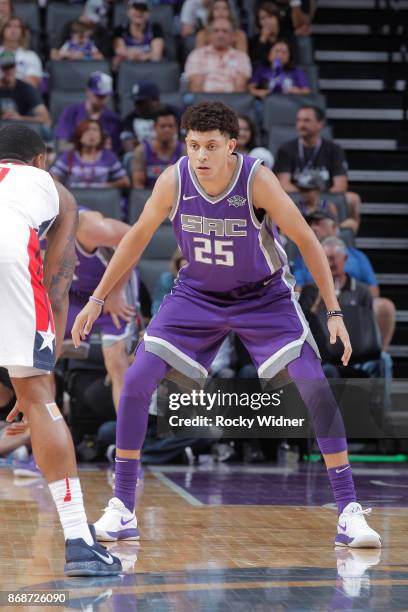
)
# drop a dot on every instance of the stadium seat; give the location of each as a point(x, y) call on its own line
point(150, 270)
point(312, 73)
point(281, 110)
point(279, 134)
point(166, 75)
point(58, 100)
point(37, 127)
point(58, 15)
point(106, 201)
point(137, 200)
point(242, 103)
point(29, 13)
point(304, 49)
point(162, 245)
point(73, 75)
point(173, 98)
point(347, 235)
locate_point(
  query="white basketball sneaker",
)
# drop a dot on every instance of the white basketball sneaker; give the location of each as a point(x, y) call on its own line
point(353, 531)
point(117, 523)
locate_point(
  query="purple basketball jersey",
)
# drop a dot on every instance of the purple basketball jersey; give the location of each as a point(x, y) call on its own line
point(226, 247)
point(89, 268)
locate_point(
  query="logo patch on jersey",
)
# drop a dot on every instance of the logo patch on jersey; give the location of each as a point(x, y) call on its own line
point(236, 201)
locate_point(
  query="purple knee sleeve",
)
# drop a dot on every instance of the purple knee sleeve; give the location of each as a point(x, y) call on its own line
point(319, 399)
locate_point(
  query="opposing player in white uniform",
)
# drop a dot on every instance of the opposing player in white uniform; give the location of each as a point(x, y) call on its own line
point(33, 311)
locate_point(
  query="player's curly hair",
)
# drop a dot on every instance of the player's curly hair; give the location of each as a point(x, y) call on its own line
point(207, 116)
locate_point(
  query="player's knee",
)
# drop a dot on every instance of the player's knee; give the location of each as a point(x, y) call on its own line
point(116, 360)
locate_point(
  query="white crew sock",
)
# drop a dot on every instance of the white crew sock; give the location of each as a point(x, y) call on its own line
point(67, 496)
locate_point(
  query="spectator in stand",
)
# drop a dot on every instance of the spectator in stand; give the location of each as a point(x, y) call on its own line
point(357, 266)
point(139, 124)
point(361, 318)
point(13, 37)
point(221, 9)
point(311, 151)
point(6, 11)
point(96, 12)
point(246, 142)
point(79, 46)
point(296, 16)
point(95, 107)
point(194, 15)
point(140, 40)
point(310, 187)
point(20, 101)
point(153, 156)
point(281, 76)
point(89, 164)
point(267, 17)
point(218, 67)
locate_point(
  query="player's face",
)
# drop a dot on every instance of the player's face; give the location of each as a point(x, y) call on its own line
point(209, 152)
point(307, 123)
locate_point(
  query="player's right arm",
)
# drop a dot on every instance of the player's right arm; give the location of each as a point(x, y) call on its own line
point(130, 249)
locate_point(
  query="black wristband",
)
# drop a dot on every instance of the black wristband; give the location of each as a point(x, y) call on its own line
point(334, 313)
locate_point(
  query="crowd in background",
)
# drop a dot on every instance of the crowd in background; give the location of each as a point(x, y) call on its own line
point(222, 47)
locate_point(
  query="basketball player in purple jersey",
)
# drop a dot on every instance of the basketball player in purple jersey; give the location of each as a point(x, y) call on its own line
point(236, 279)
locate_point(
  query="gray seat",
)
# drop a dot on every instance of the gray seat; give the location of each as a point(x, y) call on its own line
point(280, 134)
point(339, 199)
point(73, 75)
point(312, 73)
point(29, 13)
point(162, 245)
point(127, 105)
point(166, 75)
point(304, 49)
point(281, 110)
point(60, 99)
point(36, 127)
point(150, 270)
point(242, 103)
point(106, 201)
point(58, 15)
point(347, 235)
point(137, 200)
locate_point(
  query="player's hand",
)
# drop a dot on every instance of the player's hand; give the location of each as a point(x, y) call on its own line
point(118, 308)
point(337, 329)
point(84, 321)
point(15, 428)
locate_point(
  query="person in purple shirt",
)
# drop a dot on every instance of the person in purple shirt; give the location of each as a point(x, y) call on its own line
point(89, 164)
point(95, 106)
point(236, 279)
point(139, 40)
point(281, 76)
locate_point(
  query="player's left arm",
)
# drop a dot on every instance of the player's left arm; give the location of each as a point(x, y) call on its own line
point(269, 195)
point(60, 260)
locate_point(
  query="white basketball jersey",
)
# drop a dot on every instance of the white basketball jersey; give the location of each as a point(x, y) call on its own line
point(28, 193)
